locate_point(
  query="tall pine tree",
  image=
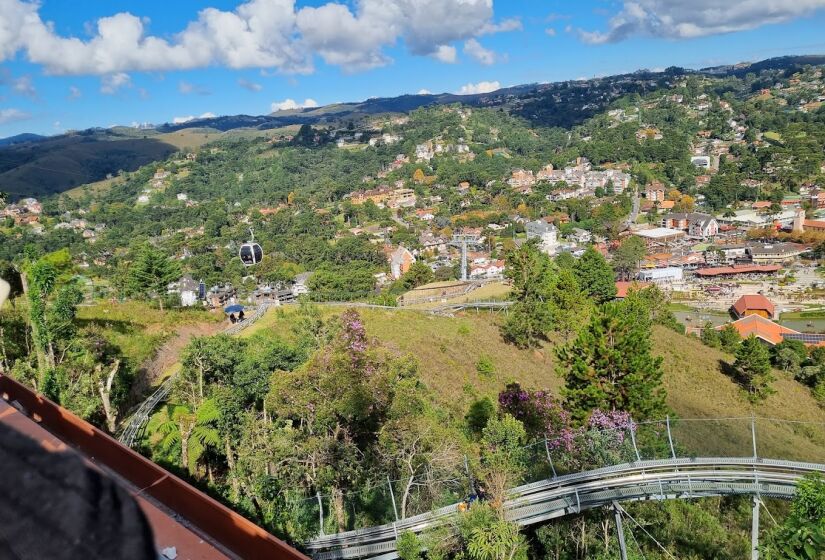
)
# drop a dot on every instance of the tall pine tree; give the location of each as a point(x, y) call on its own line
point(596, 276)
point(569, 305)
point(151, 272)
point(610, 366)
point(753, 364)
point(532, 273)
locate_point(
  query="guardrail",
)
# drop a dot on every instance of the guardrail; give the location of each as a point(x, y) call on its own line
point(679, 478)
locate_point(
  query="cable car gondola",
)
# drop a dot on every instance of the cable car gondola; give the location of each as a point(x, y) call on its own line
point(251, 253)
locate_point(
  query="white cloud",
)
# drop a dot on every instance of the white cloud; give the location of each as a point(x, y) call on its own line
point(74, 92)
point(291, 104)
point(270, 34)
point(251, 86)
point(445, 54)
point(474, 49)
point(12, 115)
point(181, 120)
point(24, 86)
point(424, 92)
point(111, 83)
point(550, 31)
point(480, 87)
point(510, 24)
point(676, 19)
point(187, 88)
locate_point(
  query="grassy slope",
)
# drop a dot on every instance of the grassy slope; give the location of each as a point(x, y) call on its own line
point(449, 348)
point(138, 329)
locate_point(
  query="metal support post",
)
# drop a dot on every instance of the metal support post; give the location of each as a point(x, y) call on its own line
point(670, 438)
point(469, 476)
point(320, 512)
point(753, 434)
point(549, 459)
point(620, 530)
point(392, 496)
point(755, 530)
point(633, 439)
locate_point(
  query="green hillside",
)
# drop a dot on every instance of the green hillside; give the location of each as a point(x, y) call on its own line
point(61, 163)
point(448, 349)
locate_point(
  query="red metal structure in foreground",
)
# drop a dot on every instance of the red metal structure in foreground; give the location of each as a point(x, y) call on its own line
point(181, 516)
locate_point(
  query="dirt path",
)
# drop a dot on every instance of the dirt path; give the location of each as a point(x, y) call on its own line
point(166, 356)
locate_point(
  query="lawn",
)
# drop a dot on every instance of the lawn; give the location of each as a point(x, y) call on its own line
point(448, 349)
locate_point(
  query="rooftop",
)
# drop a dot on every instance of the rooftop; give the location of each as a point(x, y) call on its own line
point(761, 328)
point(745, 269)
point(754, 302)
point(659, 233)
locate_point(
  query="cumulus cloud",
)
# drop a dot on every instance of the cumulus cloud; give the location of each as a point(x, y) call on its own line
point(270, 34)
point(181, 120)
point(187, 88)
point(74, 92)
point(550, 31)
point(675, 19)
point(251, 86)
point(474, 49)
point(480, 87)
point(12, 115)
point(424, 92)
point(110, 84)
point(291, 104)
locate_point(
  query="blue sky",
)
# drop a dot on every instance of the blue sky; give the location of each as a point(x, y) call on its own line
point(72, 65)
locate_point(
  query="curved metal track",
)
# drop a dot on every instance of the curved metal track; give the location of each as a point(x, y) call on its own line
point(570, 494)
point(141, 416)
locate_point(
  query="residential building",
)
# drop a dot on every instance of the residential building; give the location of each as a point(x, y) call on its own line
point(546, 233)
point(655, 192)
point(694, 224)
point(521, 178)
point(487, 270)
point(701, 161)
point(187, 288)
point(299, 284)
point(400, 261)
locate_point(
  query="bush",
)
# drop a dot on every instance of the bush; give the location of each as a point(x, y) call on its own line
point(479, 414)
point(485, 366)
point(408, 546)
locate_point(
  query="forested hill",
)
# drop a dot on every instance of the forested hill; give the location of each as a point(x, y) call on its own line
point(34, 166)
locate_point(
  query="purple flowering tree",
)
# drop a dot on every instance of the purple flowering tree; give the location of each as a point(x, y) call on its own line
point(540, 413)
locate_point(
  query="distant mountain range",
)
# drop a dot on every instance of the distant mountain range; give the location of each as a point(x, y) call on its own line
point(21, 139)
point(31, 164)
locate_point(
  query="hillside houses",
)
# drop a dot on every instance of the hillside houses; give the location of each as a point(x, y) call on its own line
point(695, 224)
point(385, 196)
point(583, 177)
point(26, 211)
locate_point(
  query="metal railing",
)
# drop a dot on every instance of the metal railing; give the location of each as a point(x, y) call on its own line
point(666, 459)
